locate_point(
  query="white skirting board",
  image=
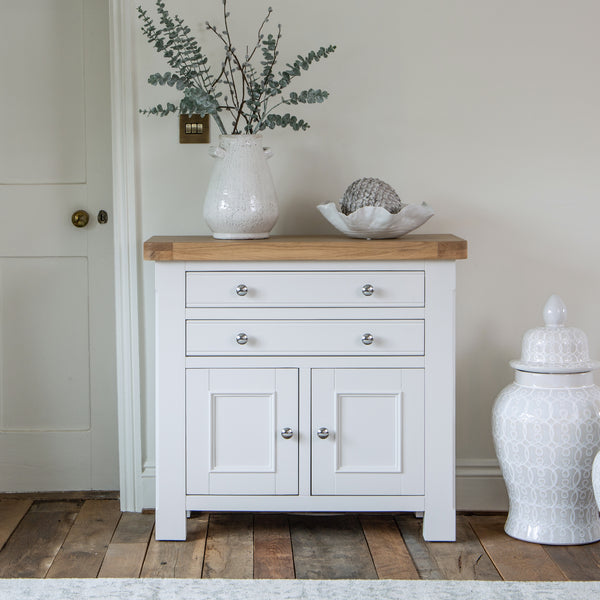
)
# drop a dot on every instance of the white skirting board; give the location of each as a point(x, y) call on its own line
point(479, 486)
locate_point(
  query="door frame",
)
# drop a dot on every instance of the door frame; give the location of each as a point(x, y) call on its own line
point(127, 257)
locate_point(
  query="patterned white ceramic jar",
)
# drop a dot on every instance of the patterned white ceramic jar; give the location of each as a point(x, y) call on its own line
point(241, 202)
point(546, 428)
point(596, 478)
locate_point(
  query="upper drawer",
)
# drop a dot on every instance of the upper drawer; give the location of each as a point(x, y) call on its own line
point(305, 288)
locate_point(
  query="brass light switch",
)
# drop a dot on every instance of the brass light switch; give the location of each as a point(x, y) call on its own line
point(194, 129)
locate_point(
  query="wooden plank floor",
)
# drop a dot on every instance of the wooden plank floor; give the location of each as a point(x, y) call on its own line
point(71, 537)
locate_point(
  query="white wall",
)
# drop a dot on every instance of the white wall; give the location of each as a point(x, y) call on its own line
point(485, 109)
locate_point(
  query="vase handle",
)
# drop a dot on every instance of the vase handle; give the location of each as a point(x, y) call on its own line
point(268, 153)
point(216, 152)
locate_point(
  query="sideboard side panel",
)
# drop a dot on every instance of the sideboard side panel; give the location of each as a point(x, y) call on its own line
point(170, 401)
point(440, 506)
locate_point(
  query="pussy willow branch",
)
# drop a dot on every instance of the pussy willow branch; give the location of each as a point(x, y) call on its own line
point(259, 36)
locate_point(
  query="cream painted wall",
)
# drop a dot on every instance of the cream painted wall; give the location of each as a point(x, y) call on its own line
point(485, 109)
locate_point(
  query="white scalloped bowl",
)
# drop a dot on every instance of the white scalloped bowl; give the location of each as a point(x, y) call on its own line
point(375, 222)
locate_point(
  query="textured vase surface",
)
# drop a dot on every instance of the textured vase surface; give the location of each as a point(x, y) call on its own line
point(241, 202)
point(547, 432)
point(596, 478)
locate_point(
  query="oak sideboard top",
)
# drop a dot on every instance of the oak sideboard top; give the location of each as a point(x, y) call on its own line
point(206, 248)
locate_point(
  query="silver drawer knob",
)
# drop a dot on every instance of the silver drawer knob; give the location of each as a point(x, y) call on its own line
point(323, 433)
point(367, 339)
point(241, 290)
point(368, 289)
point(241, 339)
point(287, 433)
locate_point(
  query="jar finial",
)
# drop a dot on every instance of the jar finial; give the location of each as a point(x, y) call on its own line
point(555, 312)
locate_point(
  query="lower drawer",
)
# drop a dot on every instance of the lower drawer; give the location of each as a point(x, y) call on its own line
point(305, 337)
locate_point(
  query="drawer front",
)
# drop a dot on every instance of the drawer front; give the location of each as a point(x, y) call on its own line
point(306, 288)
point(305, 337)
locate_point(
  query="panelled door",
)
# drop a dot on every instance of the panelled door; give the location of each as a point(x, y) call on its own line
point(242, 431)
point(367, 431)
point(58, 426)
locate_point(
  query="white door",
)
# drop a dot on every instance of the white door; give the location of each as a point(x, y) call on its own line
point(58, 428)
point(242, 431)
point(367, 431)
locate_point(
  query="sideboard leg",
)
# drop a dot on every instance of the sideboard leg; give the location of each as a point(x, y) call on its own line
point(439, 525)
point(170, 402)
point(440, 506)
point(171, 526)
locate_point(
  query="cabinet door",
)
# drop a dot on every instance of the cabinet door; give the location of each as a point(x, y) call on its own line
point(233, 426)
point(375, 424)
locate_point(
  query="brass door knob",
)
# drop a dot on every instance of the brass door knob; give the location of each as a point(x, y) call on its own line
point(80, 218)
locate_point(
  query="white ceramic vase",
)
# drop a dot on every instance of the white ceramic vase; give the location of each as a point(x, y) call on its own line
point(241, 202)
point(596, 478)
point(546, 428)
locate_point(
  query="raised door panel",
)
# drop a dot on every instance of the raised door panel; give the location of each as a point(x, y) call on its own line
point(375, 422)
point(42, 121)
point(44, 349)
point(234, 422)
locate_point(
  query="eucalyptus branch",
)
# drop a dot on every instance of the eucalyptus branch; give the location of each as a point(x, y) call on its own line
point(187, 41)
point(269, 72)
point(246, 93)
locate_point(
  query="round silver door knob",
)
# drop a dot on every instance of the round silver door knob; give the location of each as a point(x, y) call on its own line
point(287, 433)
point(323, 433)
point(368, 339)
point(241, 290)
point(241, 339)
point(368, 289)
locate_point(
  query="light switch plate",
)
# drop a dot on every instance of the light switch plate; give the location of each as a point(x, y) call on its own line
point(194, 129)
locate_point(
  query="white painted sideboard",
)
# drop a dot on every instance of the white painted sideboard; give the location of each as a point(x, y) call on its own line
point(305, 374)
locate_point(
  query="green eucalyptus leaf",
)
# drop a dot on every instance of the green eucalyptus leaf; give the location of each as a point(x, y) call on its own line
point(251, 86)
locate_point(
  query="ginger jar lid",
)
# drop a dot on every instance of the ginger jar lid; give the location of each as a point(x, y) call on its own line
point(555, 348)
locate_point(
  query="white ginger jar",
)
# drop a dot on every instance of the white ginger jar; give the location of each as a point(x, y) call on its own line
point(596, 478)
point(546, 428)
point(241, 202)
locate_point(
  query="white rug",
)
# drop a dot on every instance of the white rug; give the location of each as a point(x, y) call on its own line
point(229, 589)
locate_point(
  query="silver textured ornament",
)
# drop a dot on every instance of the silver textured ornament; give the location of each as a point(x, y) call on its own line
point(370, 191)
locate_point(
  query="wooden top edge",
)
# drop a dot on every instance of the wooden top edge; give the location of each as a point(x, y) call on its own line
point(205, 248)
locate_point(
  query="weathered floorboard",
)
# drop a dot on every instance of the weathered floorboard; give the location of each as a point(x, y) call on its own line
point(578, 563)
point(178, 559)
point(412, 533)
point(229, 547)
point(330, 547)
point(65, 537)
point(37, 539)
point(127, 549)
point(273, 557)
point(84, 548)
point(465, 558)
point(514, 559)
point(11, 513)
point(390, 554)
